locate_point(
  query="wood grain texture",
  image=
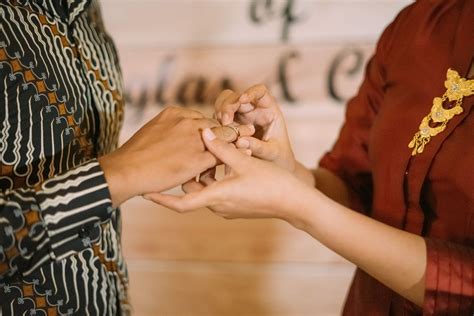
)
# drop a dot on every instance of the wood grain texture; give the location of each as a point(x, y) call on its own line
point(208, 23)
point(202, 236)
point(306, 73)
point(236, 289)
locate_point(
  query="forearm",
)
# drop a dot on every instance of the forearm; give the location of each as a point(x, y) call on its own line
point(392, 256)
point(332, 186)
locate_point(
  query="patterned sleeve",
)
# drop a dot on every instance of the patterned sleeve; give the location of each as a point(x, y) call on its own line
point(52, 221)
point(449, 279)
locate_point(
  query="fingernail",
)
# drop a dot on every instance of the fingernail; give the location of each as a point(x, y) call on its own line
point(219, 116)
point(243, 143)
point(208, 134)
point(225, 119)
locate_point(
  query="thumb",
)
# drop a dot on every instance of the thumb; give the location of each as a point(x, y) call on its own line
point(223, 151)
point(266, 150)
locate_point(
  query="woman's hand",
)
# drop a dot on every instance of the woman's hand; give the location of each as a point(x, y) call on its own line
point(260, 189)
point(253, 189)
point(258, 107)
point(166, 152)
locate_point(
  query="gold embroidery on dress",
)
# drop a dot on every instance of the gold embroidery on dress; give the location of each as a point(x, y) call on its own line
point(435, 122)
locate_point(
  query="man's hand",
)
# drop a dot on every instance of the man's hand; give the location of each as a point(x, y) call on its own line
point(166, 152)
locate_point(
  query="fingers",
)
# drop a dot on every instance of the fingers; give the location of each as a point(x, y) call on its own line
point(189, 117)
point(230, 135)
point(188, 113)
point(267, 150)
point(192, 186)
point(246, 130)
point(257, 95)
point(246, 108)
point(225, 133)
point(204, 123)
point(226, 105)
point(225, 152)
point(205, 179)
point(208, 177)
point(182, 204)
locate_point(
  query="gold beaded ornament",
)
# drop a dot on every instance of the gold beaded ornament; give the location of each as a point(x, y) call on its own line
point(456, 89)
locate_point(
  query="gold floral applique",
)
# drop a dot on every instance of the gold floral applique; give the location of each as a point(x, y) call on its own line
point(435, 122)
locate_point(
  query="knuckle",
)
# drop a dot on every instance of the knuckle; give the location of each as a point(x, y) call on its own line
point(196, 113)
point(206, 122)
point(222, 96)
point(260, 87)
point(214, 122)
point(171, 110)
point(227, 92)
point(186, 123)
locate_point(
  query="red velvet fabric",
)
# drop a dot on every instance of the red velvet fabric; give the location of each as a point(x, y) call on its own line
point(431, 194)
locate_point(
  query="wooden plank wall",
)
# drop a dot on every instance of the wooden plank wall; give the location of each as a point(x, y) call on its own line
point(311, 54)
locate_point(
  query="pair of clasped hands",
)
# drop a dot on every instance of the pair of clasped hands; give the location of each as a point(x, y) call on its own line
point(179, 144)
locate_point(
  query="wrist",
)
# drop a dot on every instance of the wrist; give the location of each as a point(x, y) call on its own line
point(117, 178)
point(300, 208)
point(304, 174)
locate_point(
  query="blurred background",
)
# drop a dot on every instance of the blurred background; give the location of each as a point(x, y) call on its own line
point(312, 54)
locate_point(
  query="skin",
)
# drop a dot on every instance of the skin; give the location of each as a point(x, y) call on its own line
point(272, 184)
point(164, 153)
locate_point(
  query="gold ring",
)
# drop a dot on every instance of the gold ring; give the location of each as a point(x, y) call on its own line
point(235, 129)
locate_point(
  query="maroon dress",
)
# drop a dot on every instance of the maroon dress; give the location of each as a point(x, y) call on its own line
point(430, 194)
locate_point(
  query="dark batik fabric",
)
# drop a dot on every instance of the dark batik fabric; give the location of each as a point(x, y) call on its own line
point(60, 108)
point(432, 193)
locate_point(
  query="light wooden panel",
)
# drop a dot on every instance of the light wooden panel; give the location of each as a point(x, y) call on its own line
point(146, 69)
point(161, 234)
point(190, 23)
point(228, 289)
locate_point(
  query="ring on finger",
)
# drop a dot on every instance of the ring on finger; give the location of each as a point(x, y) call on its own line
point(235, 129)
